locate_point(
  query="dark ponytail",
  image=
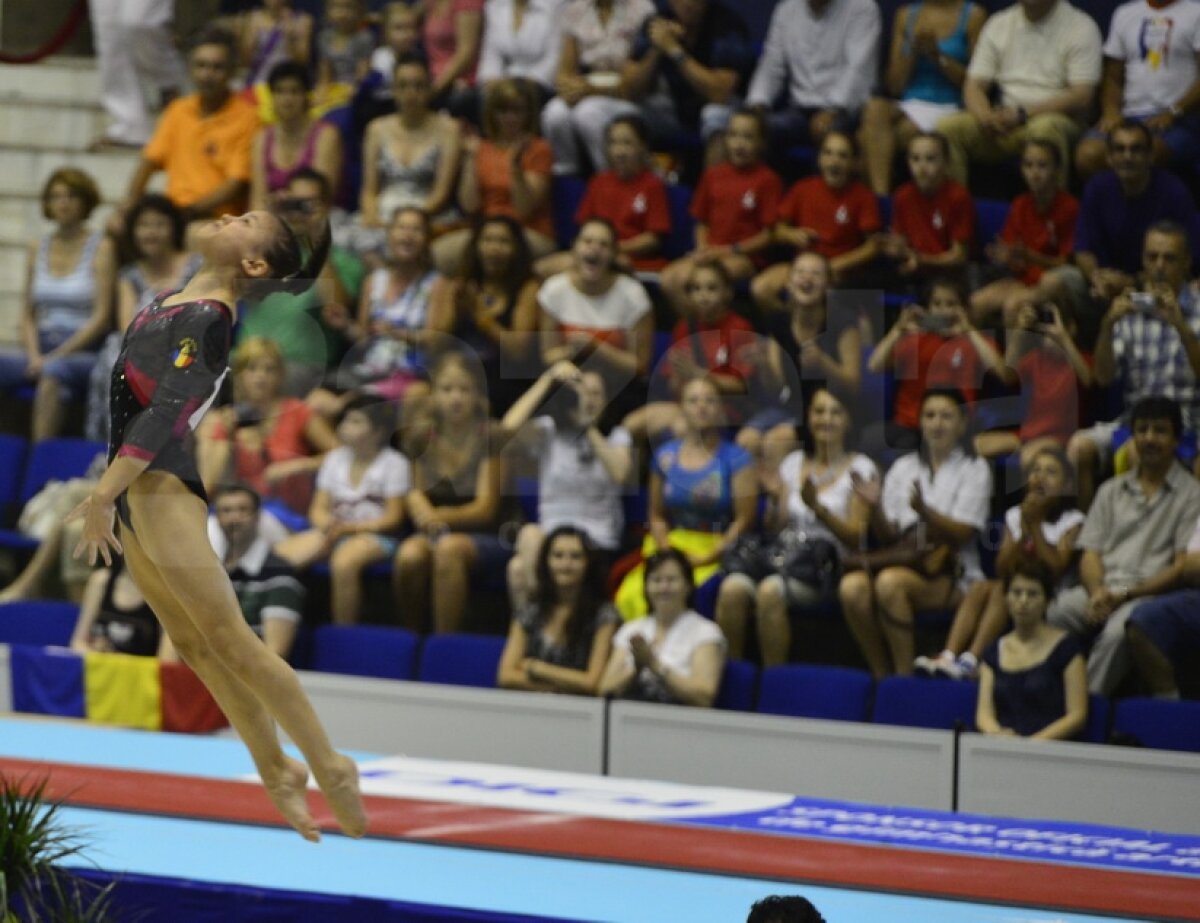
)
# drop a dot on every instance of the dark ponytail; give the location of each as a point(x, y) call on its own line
point(291, 272)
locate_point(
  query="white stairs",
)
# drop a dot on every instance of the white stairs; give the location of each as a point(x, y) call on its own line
point(49, 114)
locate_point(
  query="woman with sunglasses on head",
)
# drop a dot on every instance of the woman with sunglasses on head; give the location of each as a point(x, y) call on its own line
point(171, 366)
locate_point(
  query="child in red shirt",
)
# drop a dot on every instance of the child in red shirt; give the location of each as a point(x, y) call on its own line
point(629, 196)
point(933, 217)
point(932, 347)
point(1044, 362)
point(1038, 235)
point(834, 214)
point(734, 206)
point(710, 341)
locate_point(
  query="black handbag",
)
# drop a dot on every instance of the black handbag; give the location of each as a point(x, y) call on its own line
point(812, 560)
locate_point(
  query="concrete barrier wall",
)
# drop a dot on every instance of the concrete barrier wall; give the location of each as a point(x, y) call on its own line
point(874, 764)
point(816, 759)
point(454, 723)
point(1123, 786)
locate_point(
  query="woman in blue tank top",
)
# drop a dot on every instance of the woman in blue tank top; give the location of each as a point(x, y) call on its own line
point(68, 303)
point(932, 41)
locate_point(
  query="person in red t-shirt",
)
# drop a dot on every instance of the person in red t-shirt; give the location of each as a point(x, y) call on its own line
point(932, 347)
point(735, 207)
point(834, 214)
point(629, 196)
point(709, 340)
point(1043, 360)
point(933, 217)
point(1039, 234)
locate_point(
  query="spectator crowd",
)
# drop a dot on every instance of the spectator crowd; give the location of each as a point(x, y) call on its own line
point(682, 339)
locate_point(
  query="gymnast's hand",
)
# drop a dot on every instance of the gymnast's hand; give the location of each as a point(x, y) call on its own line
point(99, 537)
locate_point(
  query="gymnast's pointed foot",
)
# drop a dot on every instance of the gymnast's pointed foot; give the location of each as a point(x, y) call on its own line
point(340, 787)
point(289, 793)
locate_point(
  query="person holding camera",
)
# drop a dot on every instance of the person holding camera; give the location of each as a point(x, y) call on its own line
point(266, 440)
point(1149, 340)
point(581, 470)
point(1044, 364)
point(929, 347)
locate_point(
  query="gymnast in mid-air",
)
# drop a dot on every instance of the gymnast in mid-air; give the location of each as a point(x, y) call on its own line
point(171, 365)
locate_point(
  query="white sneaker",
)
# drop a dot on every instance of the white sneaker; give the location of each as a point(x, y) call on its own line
point(930, 666)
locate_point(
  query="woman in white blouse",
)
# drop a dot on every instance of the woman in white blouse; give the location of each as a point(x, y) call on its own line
point(674, 654)
point(599, 318)
point(812, 498)
point(932, 506)
point(521, 38)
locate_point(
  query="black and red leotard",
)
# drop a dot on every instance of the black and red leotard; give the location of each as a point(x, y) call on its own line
point(170, 368)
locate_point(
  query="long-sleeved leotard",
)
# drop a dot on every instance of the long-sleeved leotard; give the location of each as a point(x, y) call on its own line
point(170, 368)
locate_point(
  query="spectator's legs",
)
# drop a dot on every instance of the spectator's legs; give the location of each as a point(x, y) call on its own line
point(966, 138)
point(714, 118)
point(30, 582)
point(883, 131)
point(48, 409)
point(279, 635)
point(673, 281)
point(1109, 660)
point(1153, 666)
point(522, 567)
point(303, 549)
point(136, 53)
point(901, 592)
point(449, 250)
point(968, 616)
point(411, 574)
point(559, 128)
point(1052, 127)
point(1157, 631)
point(786, 128)
point(1181, 144)
point(858, 605)
point(1068, 610)
point(994, 621)
point(774, 626)
point(350, 557)
point(454, 556)
point(735, 603)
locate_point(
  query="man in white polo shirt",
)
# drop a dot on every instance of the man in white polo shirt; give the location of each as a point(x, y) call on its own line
point(1042, 60)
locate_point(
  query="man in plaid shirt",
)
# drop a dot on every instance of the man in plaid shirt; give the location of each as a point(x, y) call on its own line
point(1150, 340)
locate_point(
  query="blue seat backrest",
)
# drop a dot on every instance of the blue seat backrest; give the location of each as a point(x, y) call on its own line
point(460, 660)
point(43, 622)
point(12, 469)
point(683, 227)
point(57, 460)
point(1161, 723)
point(1098, 719)
point(566, 192)
point(807, 691)
point(739, 686)
point(990, 215)
point(912, 702)
point(365, 650)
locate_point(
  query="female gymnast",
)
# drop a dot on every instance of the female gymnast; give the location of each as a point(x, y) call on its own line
point(171, 365)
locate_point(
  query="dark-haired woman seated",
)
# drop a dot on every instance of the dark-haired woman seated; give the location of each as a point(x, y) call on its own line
point(561, 642)
point(933, 503)
point(1033, 681)
point(674, 654)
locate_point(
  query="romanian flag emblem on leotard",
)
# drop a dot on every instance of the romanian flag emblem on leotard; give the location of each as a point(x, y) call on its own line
point(185, 353)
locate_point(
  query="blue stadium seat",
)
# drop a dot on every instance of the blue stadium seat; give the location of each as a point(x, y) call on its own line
point(461, 660)
point(12, 466)
point(365, 650)
point(990, 215)
point(739, 684)
point(1099, 715)
point(566, 192)
point(912, 702)
point(705, 599)
point(683, 238)
point(45, 622)
point(57, 460)
point(803, 691)
point(1161, 723)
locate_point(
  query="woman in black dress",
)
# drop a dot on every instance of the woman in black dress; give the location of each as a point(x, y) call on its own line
point(171, 365)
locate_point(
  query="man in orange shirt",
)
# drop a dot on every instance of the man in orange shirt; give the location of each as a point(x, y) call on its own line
point(202, 141)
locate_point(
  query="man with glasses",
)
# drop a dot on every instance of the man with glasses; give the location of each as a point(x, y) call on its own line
point(315, 328)
point(1118, 208)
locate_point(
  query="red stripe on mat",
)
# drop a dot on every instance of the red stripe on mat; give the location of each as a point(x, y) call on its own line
point(915, 871)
